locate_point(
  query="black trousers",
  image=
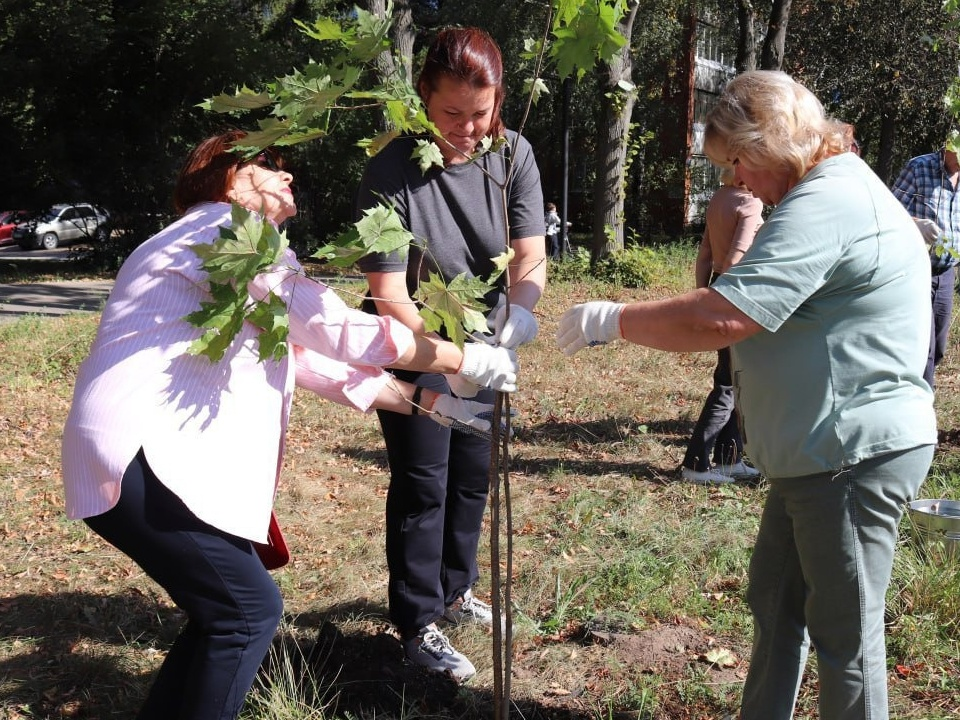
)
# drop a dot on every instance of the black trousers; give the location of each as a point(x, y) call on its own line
point(717, 431)
point(232, 604)
point(435, 504)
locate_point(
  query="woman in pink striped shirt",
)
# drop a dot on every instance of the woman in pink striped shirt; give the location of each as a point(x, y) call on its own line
point(174, 459)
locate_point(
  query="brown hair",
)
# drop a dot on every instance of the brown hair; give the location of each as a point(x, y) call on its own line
point(468, 55)
point(207, 175)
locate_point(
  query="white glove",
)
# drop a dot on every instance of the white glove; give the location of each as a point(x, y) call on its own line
point(512, 332)
point(461, 387)
point(930, 231)
point(493, 367)
point(464, 415)
point(589, 324)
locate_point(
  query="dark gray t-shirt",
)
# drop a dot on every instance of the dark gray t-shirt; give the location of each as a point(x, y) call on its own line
point(455, 213)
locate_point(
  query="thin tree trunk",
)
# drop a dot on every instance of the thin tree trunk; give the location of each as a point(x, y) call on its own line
point(773, 45)
point(608, 190)
point(888, 127)
point(402, 33)
point(747, 37)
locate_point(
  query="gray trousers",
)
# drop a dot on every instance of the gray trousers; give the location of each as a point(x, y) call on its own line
point(819, 575)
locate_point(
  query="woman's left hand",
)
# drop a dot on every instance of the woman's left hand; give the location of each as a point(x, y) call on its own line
point(466, 416)
point(518, 329)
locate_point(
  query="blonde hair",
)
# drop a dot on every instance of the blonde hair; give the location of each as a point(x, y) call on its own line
point(772, 121)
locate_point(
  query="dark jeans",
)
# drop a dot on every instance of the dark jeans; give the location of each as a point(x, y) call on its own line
point(232, 604)
point(941, 295)
point(717, 430)
point(435, 505)
point(553, 245)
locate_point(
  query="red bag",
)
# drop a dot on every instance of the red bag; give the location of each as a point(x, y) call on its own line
point(273, 554)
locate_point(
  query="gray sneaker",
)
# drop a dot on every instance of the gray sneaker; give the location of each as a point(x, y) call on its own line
point(470, 609)
point(431, 649)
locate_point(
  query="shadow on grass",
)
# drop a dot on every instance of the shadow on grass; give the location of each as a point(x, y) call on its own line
point(607, 431)
point(78, 654)
point(92, 656)
point(361, 673)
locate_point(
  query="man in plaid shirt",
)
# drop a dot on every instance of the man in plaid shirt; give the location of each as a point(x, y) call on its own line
point(928, 188)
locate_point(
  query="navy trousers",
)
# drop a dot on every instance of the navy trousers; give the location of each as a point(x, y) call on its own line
point(717, 431)
point(435, 505)
point(232, 604)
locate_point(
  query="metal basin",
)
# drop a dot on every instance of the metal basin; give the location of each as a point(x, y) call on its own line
point(937, 523)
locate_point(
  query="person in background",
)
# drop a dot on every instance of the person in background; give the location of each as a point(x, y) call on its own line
point(928, 186)
point(174, 459)
point(552, 222)
point(826, 316)
point(850, 137)
point(439, 478)
point(733, 217)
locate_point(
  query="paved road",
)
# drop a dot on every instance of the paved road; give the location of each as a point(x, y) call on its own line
point(53, 298)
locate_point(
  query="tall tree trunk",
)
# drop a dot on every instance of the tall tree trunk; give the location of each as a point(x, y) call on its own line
point(611, 156)
point(747, 36)
point(402, 33)
point(773, 45)
point(888, 132)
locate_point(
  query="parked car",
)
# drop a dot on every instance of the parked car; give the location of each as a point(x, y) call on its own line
point(9, 219)
point(63, 224)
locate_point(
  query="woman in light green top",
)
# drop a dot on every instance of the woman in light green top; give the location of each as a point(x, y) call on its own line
point(827, 316)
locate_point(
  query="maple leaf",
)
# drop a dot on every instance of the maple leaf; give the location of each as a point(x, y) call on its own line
point(243, 250)
point(243, 99)
point(380, 230)
point(583, 35)
point(535, 87)
point(455, 307)
point(427, 154)
point(274, 323)
point(221, 319)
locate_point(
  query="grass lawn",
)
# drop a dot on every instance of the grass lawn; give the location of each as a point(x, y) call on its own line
point(627, 585)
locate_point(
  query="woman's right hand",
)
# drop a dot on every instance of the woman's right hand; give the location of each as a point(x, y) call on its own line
point(493, 367)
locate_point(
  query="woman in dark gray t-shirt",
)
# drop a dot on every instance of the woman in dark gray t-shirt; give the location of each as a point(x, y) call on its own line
point(439, 477)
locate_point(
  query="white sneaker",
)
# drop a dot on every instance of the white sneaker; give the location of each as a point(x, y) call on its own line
point(739, 470)
point(431, 649)
point(712, 476)
point(470, 609)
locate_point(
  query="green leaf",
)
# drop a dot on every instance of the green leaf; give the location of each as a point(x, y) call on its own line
point(274, 323)
point(243, 99)
point(243, 250)
point(535, 87)
point(427, 154)
point(501, 262)
point(454, 309)
point(324, 29)
point(582, 38)
point(375, 145)
point(221, 319)
point(380, 230)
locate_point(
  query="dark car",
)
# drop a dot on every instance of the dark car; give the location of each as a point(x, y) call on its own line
point(63, 224)
point(9, 219)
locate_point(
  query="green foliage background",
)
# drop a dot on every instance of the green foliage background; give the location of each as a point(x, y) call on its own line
point(98, 99)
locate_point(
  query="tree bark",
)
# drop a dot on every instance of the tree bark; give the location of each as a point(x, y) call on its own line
point(402, 33)
point(747, 37)
point(773, 45)
point(611, 157)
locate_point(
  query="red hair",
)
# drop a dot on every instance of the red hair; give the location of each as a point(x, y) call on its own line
point(208, 173)
point(467, 55)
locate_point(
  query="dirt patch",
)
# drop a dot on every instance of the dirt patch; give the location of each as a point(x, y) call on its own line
point(364, 674)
